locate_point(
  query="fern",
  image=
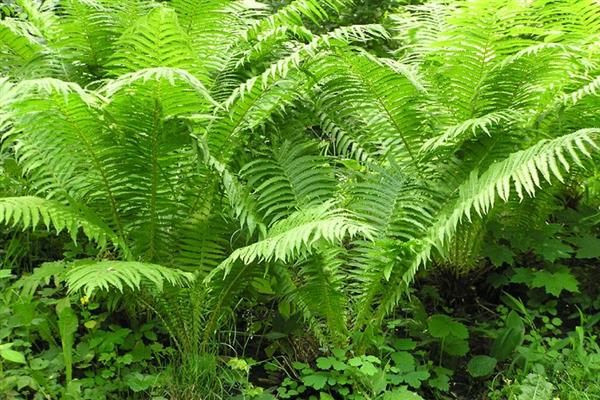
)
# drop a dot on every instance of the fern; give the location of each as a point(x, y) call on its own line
point(295, 235)
point(30, 212)
point(292, 177)
point(110, 275)
point(525, 170)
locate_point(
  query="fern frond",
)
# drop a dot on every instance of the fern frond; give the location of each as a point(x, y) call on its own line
point(315, 286)
point(455, 135)
point(525, 170)
point(28, 212)
point(85, 37)
point(290, 177)
point(251, 111)
point(392, 204)
point(91, 276)
point(22, 52)
point(388, 111)
point(339, 37)
point(155, 40)
point(243, 205)
point(294, 12)
point(295, 235)
point(48, 271)
point(171, 75)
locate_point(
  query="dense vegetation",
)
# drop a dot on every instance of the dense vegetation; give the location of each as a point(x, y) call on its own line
point(220, 199)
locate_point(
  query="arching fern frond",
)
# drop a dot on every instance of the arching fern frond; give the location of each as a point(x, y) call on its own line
point(22, 52)
point(315, 286)
point(29, 212)
point(295, 235)
point(392, 204)
point(455, 135)
point(158, 73)
point(155, 40)
point(294, 12)
point(525, 170)
point(243, 205)
point(388, 114)
point(291, 176)
point(91, 276)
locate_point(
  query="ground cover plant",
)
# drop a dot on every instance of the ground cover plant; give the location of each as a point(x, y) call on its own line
point(214, 199)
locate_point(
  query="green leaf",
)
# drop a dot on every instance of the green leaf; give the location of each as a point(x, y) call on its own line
point(509, 338)
point(523, 275)
point(315, 381)
point(498, 254)
point(441, 326)
point(324, 363)
point(139, 382)
point(455, 346)
point(552, 249)
point(13, 356)
point(414, 379)
point(404, 344)
point(355, 361)
point(589, 246)
point(555, 282)
point(368, 368)
point(404, 361)
point(442, 379)
point(480, 366)
point(339, 353)
point(401, 394)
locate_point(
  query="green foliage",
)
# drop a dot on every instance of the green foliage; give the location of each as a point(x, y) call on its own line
point(480, 366)
point(107, 275)
point(355, 377)
point(206, 156)
point(52, 346)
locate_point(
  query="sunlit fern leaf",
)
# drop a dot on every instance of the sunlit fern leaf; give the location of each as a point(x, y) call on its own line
point(338, 37)
point(153, 121)
point(471, 128)
point(28, 212)
point(22, 52)
point(244, 206)
point(569, 20)
point(388, 115)
point(392, 203)
point(251, 111)
point(203, 242)
point(272, 43)
point(155, 40)
point(296, 235)
point(291, 176)
point(294, 12)
point(261, 98)
point(171, 75)
point(57, 138)
point(526, 170)
point(91, 276)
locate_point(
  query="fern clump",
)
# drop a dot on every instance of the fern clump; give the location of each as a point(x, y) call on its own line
point(206, 145)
